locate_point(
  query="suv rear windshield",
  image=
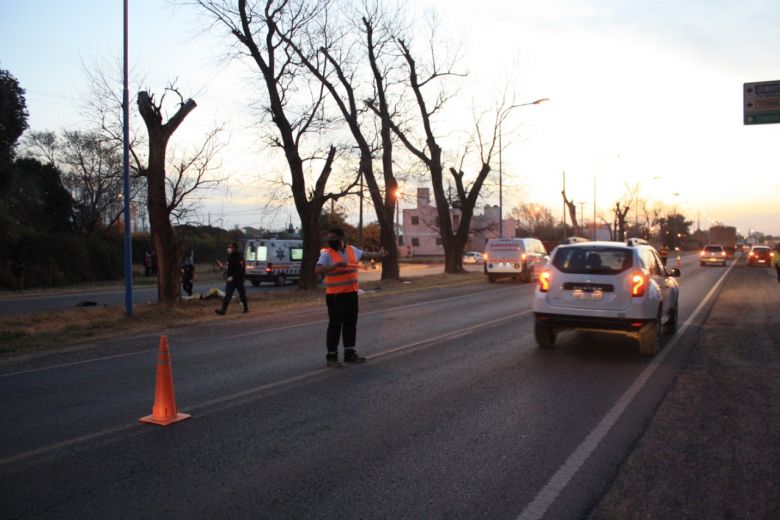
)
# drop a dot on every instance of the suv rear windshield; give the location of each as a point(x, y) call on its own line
point(593, 260)
point(713, 249)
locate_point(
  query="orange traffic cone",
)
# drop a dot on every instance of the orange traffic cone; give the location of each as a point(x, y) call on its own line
point(164, 409)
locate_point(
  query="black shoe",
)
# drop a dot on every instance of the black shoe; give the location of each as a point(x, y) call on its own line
point(333, 361)
point(350, 356)
point(245, 311)
point(221, 312)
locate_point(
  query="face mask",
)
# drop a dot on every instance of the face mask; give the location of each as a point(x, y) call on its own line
point(334, 244)
point(230, 250)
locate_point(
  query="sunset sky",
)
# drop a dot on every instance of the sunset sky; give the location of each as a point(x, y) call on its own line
point(645, 93)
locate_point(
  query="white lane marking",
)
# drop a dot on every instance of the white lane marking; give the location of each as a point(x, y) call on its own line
point(549, 493)
point(255, 333)
point(410, 347)
point(65, 444)
point(369, 313)
point(73, 363)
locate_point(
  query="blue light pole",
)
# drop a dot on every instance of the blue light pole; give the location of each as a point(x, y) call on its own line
point(126, 174)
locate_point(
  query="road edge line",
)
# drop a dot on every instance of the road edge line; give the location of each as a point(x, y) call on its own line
point(545, 498)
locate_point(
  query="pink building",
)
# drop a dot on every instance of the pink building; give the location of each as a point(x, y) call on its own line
point(421, 227)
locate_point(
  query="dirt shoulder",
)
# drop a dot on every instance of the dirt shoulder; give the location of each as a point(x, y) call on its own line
point(711, 451)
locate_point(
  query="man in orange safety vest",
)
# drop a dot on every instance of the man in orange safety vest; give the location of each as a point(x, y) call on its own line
point(339, 263)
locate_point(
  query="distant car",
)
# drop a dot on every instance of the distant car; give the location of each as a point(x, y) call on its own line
point(713, 254)
point(618, 287)
point(760, 255)
point(472, 257)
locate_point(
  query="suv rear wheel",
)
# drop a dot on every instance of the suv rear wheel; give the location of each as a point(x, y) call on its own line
point(544, 335)
point(671, 322)
point(650, 338)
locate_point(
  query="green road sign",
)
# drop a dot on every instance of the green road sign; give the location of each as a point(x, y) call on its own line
point(761, 103)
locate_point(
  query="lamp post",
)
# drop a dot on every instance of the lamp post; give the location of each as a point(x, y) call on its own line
point(397, 194)
point(126, 173)
point(501, 169)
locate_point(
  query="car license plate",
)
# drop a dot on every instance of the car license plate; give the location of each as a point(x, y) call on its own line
point(580, 295)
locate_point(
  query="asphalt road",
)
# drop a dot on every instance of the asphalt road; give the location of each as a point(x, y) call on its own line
point(456, 414)
point(50, 300)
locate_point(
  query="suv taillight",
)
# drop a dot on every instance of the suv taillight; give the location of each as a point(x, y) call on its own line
point(638, 283)
point(544, 281)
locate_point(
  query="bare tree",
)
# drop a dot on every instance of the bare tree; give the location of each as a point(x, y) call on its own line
point(163, 236)
point(532, 218)
point(171, 181)
point(620, 220)
point(325, 53)
point(91, 167)
point(430, 154)
point(264, 29)
point(571, 205)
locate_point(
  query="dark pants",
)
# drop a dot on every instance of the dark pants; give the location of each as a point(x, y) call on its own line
point(777, 269)
point(235, 285)
point(342, 320)
point(187, 286)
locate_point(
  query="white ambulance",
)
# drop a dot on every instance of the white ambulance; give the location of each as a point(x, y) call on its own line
point(514, 257)
point(272, 260)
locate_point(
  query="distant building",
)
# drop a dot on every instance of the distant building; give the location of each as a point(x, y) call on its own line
point(421, 235)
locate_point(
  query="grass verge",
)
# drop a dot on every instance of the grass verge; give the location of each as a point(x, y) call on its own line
point(52, 330)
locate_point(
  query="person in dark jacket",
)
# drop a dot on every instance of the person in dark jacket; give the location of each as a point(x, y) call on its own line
point(187, 276)
point(234, 279)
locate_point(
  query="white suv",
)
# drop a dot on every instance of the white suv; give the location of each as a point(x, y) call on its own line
point(607, 286)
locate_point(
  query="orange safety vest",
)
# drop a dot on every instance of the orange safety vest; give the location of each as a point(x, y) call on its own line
point(664, 252)
point(342, 279)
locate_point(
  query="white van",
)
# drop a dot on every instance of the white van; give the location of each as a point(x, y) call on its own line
point(272, 260)
point(514, 257)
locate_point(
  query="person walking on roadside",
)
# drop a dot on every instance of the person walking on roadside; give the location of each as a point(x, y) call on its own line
point(187, 276)
point(234, 279)
point(776, 261)
point(339, 263)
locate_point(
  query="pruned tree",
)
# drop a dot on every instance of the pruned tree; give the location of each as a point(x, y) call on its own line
point(159, 207)
point(264, 30)
point(620, 220)
point(572, 207)
point(172, 179)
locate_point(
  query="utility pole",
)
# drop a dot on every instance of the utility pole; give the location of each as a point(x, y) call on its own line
point(500, 187)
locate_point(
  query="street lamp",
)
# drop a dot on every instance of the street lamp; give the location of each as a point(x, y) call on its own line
point(397, 194)
point(501, 169)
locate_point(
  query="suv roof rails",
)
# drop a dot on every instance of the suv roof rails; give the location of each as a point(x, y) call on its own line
point(575, 240)
point(636, 242)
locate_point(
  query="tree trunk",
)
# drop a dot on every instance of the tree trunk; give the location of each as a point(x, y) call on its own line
point(163, 235)
point(311, 249)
